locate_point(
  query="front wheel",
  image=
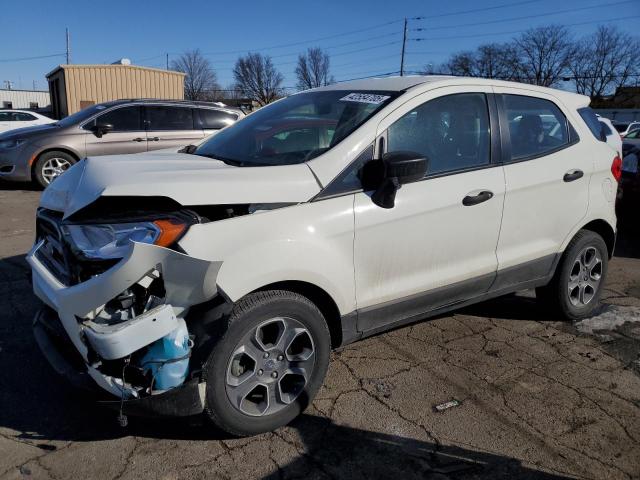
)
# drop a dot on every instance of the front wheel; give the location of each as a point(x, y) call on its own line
point(50, 165)
point(577, 284)
point(268, 365)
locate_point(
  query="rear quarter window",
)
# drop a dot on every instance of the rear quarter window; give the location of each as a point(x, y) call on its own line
point(590, 118)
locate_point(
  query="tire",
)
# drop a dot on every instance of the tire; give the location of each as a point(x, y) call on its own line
point(574, 291)
point(246, 395)
point(50, 165)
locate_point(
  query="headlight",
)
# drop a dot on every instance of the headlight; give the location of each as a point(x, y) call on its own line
point(111, 241)
point(13, 143)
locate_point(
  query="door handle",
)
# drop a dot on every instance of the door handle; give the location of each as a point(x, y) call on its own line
point(573, 175)
point(153, 139)
point(138, 139)
point(483, 196)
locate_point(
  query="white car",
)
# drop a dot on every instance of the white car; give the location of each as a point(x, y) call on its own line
point(219, 279)
point(12, 119)
point(613, 137)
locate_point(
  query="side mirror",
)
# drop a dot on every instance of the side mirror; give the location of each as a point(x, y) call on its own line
point(100, 129)
point(398, 168)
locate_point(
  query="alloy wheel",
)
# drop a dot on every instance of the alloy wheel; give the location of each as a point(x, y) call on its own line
point(585, 277)
point(270, 367)
point(53, 168)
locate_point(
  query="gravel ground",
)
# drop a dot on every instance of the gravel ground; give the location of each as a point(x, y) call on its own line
point(536, 398)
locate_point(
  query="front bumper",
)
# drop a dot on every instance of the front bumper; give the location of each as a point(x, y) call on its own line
point(15, 163)
point(64, 331)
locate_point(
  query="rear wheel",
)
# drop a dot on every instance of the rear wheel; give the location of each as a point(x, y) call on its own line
point(268, 365)
point(50, 165)
point(577, 284)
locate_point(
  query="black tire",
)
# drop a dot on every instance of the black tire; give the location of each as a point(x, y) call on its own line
point(247, 315)
point(41, 177)
point(556, 295)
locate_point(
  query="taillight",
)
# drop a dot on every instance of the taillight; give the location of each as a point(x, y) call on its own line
point(616, 168)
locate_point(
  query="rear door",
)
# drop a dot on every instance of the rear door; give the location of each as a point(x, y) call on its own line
point(547, 170)
point(170, 126)
point(128, 135)
point(6, 121)
point(211, 120)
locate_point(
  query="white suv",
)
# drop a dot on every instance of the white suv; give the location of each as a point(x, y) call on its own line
point(220, 278)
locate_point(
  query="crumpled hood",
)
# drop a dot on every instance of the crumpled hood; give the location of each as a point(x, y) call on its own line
point(187, 179)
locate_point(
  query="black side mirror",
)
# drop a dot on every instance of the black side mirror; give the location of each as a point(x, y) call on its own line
point(100, 129)
point(398, 168)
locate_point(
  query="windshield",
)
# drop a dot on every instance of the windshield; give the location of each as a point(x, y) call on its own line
point(81, 115)
point(295, 129)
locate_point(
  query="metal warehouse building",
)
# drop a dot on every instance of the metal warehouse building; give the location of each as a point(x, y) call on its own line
point(29, 99)
point(74, 87)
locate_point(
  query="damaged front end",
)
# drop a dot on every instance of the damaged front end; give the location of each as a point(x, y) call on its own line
point(119, 323)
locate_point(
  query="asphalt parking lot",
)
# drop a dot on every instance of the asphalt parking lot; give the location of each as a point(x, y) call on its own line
point(537, 398)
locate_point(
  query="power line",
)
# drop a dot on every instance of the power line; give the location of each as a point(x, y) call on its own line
point(524, 17)
point(511, 32)
point(20, 59)
point(484, 9)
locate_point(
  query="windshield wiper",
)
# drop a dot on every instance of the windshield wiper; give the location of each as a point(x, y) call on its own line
point(228, 161)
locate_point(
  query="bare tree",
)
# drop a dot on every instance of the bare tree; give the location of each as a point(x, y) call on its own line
point(488, 61)
point(544, 54)
point(313, 69)
point(604, 61)
point(257, 78)
point(200, 81)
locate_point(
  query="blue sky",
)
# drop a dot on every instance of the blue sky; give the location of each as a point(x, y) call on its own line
point(363, 37)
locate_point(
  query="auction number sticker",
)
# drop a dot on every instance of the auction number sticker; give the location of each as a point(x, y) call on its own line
point(371, 98)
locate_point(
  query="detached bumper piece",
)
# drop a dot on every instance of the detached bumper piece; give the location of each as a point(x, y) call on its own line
point(56, 347)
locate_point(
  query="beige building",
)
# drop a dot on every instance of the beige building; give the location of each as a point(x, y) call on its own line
point(74, 87)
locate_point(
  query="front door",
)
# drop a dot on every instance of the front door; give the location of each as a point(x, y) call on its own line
point(128, 135)
point(437, 245)
point(170, 126)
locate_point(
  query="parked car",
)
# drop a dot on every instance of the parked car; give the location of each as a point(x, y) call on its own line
point(624, 128)
point(124, 126)
point(628, 201)
point(219, 280)
point(632, 139)
point(613, 137)
point(12, 119)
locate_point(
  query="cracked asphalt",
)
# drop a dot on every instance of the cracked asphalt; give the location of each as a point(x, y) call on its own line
point(539, 398)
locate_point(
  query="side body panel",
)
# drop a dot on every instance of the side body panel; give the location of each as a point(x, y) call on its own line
point(308, 242)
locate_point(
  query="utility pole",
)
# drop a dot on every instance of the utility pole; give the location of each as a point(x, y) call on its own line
point(167, 61)
point(68, 47)
point(8, 84)
point(404, 41)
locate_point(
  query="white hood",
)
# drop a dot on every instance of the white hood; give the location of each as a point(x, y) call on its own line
point(187, 179)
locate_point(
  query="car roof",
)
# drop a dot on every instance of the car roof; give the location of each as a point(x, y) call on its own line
point(195, 103)
point(404, 83)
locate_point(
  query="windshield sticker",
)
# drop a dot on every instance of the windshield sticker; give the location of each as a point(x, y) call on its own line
point(371, 98)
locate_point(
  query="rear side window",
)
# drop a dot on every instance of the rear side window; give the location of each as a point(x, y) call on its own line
point(451, 131)
point(591, 119)
point(536, 126)
point(24, 117)
point(169, 118)
point(125, 119)
point(209, 119)
point(5, 117)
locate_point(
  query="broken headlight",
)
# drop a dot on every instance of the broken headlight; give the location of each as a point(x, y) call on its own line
point(111, 241)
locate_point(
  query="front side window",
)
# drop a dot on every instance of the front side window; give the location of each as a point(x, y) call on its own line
point(295, 129)
point(634, 134)
point(536, 126)
point(451, 131)
point(169, 118)
point(210, 119)
point(125, 119)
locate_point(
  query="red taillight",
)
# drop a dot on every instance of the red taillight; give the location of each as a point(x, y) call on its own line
point(616, 168)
